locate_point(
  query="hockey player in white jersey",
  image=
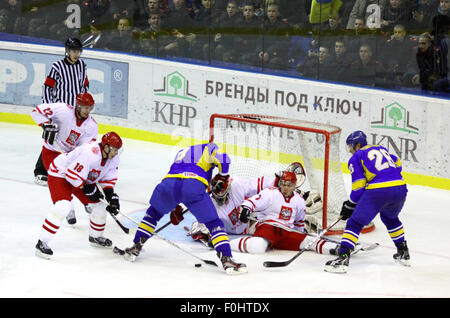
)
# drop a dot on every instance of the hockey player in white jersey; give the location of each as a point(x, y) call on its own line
point(228, 196)
point(77, 173)
point(64, 128)
point(280, 221)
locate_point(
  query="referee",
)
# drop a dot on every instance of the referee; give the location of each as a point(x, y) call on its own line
point(67, 78)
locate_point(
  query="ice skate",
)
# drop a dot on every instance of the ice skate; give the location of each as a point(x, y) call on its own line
point(230, 266)
point(71, 219)
point(402, 255)
point(132, 252)
point(100, 241)
point(338, 265)
point(40, 180)
point(88, 208)
point(43, 250)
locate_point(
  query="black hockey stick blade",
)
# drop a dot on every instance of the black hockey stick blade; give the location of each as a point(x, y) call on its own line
point(119, 251)
point(286, 263)
point(212, 263)
point(125, 229)
point(283, 263)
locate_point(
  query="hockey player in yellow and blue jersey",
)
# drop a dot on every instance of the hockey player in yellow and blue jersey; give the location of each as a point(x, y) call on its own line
point(377, 187)
point(187, 182)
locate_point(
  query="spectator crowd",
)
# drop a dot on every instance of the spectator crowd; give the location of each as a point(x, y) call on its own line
point(378, 43)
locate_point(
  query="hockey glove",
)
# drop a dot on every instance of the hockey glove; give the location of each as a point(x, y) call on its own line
point(176, 215)
point(113, 200)
point(347, 209)
point(92, 192)
point(49, 132)
point(244, 214)
point(304, 195)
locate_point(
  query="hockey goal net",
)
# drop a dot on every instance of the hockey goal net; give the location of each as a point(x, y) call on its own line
point(260, 145)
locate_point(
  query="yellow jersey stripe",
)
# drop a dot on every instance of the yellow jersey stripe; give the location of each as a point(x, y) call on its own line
point(220, 238)
point(358, 184)
point(397, 233)
point(205, 160)
point(182, 176)
point(369, 175)
point(146, 227)
point(350, 237)
point(386, 184)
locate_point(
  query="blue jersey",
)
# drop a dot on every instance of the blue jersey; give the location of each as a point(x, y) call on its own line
point(198, 162)
point(373, 167)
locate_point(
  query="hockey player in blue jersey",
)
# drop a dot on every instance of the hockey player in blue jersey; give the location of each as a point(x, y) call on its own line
point(377, 187)
point(187, 182)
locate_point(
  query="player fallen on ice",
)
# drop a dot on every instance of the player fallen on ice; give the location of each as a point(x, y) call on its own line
point(65, 127)
point(228, 197)
point(186, 182)
point(77, 173)
point(377, 187)
point(280, 218)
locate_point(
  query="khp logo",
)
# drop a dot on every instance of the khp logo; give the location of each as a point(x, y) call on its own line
point(177, 86)
point(396, 117)
point(170, 112)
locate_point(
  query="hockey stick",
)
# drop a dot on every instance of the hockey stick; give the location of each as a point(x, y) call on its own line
point(170, 222)
point(208, 262)
point(319, 236)
point(361, 246)
point(124, 228)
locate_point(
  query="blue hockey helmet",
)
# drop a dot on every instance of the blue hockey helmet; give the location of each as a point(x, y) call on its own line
point(356, 137)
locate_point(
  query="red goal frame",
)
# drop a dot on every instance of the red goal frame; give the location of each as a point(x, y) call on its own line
point(324, 129)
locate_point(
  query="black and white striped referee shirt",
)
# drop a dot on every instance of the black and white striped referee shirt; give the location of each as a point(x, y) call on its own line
point(64, 82)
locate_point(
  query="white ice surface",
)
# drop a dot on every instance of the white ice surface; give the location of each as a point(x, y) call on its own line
point(80, 270)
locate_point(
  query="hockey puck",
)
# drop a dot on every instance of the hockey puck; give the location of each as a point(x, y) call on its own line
point(198, 265)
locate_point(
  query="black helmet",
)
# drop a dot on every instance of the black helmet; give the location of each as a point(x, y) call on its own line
point(73, 44)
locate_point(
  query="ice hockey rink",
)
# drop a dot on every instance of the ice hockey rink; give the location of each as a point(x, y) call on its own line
point(78, 270)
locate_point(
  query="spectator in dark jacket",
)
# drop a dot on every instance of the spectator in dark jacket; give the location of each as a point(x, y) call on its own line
point(272, 52)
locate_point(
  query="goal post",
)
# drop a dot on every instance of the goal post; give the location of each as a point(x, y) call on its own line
point(260, 145)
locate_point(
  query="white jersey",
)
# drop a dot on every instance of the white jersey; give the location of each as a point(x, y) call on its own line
point(240, 189)
point(85, 164)
point(71, 131)
point(273, 208)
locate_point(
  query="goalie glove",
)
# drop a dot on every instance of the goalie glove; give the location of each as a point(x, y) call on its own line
point(113, 200)
point(313, 201)
point(176, 215)
point(49, 132)
point(347, 209)
point(244, 214)
point(92, 192)
point(198, 231)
